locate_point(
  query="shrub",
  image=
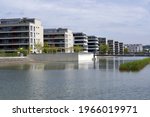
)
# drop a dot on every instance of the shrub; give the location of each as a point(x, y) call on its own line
point(134, 65)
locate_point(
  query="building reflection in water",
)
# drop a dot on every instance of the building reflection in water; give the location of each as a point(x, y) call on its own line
point(53, 66)
point(110, 63)
point(85, 65)
point(105, 63)
point(62, 66)
point(37, 66)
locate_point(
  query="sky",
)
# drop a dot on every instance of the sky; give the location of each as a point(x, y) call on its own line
point(126, 21)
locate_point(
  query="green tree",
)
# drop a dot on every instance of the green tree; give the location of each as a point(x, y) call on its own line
point(126, 51)
point(46, 48)
point(53, 49)
point(29, 50)
point(103, 48)
point(38, 47)
point(22, 51)
point(2, 53)
point(78, 48)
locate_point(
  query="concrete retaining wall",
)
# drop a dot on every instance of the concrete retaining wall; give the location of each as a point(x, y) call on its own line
point(85, 57)
point(61, 57)
point(7, 60)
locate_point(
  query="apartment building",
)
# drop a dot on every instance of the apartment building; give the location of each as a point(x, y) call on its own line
point(20, 33)
point(102, 40)
point(121, 48)
point(146, 48)
point(61, 38)
point(110, 46)
point(134, 48)
point(116, 47)
point(81, 39)
point(93, 44)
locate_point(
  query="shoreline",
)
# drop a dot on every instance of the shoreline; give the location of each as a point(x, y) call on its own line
point(14, 60)
point(28, 60)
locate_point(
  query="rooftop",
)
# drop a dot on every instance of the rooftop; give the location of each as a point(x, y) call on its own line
point(17, 20)
point(55, 30)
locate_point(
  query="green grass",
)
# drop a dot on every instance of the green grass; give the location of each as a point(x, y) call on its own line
point(134, 65)
point(8, 54)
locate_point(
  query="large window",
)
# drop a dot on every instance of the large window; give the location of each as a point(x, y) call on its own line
point(14, 28)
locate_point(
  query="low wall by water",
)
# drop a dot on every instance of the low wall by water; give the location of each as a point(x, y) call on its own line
point(85, 57)
point(60, 57)
point(16, 60)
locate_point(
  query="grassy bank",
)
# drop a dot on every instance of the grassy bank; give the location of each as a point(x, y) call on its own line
point(134, 65)
point(8, 54)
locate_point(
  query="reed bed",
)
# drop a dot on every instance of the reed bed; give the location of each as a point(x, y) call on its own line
point(134, 65)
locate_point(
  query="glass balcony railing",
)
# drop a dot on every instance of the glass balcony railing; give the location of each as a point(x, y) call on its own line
point(14, 28)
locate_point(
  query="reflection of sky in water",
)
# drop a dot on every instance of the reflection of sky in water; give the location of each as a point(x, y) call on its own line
point(72, 80)
point(104, 63)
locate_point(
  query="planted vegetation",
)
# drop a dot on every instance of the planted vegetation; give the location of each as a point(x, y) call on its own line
point(134, 65)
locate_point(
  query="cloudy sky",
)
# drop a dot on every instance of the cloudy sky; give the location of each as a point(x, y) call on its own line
point(122, 20)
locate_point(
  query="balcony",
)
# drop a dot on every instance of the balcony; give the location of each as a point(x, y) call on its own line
point(84, 40)
point(13, 35)
point(94, 42)
point(13, 44)
point(53, 43)
point(80, 43)
point(13, 28)
point(21, 31)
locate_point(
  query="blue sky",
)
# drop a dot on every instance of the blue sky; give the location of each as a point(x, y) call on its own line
point(122, 20)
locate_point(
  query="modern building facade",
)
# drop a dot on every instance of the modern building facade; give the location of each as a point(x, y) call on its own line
point(93, 44)
point(146, 48)
point(61, 38)
point(20, 33)
point(116, 47)
point(81, 39)
point(121, 48)
point(102, 40)
point(110, 46)
point(134, 48)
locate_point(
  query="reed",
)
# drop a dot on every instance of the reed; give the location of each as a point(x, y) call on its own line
point(134, 65)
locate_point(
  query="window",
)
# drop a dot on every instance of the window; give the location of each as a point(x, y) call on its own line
point(30, 34)
point(31, 40)
point(31, 28)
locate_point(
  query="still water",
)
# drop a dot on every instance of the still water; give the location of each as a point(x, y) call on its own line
point(71, 80)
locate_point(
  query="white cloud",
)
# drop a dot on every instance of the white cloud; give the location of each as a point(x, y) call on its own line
point(92, 16)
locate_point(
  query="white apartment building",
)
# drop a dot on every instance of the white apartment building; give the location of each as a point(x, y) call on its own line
point(134, 48)
point(20, 33)
point(61, 38)
point(81, 39)
point(93, 44)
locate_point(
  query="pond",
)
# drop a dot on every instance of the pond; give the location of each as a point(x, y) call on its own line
point(99, 80)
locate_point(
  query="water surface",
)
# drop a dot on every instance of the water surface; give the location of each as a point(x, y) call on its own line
point(71, 80)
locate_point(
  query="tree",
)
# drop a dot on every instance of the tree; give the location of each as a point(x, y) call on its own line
point(23, 51)
point(38, 47)
point(46, 48)
point(78, 48)
point(53, 49)
point(103, 48)
point(2, 53)
point(126, 51)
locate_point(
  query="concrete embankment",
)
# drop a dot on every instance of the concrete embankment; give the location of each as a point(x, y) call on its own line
point(14, 60)
point(59, 57)
point(62, 57)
